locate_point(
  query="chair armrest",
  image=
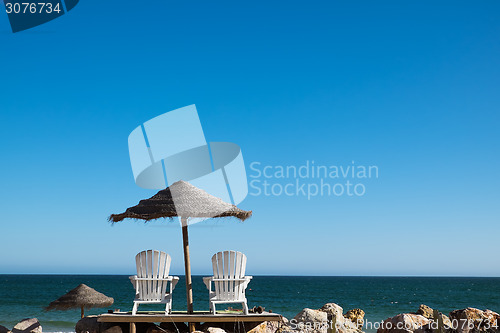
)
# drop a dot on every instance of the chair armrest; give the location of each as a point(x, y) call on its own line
point(174, 281)
point(133, 280)
point(207, 281)
point(247, 280)
point(169, 278)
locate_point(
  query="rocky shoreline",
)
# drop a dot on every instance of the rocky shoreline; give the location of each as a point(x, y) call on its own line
point(330, 318)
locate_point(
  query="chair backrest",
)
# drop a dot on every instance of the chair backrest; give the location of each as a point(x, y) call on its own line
point(229, 265)
point(152, 265)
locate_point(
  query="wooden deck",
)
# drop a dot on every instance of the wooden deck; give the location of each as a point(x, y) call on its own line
point(183, 317)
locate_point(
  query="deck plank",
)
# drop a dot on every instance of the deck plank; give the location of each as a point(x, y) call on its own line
point(127, 317)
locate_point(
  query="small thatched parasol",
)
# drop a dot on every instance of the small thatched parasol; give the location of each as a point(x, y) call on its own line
point(79, 298)
point(185, 201)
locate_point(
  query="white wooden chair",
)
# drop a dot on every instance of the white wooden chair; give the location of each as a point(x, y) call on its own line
point(229, 279)
point(152, 280)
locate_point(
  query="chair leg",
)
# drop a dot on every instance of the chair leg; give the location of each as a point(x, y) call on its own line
point(212, 307)
point(245, 308)
point(167, 308)
point(134, 309)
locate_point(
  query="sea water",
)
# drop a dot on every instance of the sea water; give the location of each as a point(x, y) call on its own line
point(25, 296)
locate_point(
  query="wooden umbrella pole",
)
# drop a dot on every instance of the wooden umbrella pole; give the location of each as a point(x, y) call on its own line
point(187, 267)
point(82, 314)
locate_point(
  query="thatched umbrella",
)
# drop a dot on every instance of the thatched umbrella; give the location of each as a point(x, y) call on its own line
point(185, 201)
point(79, 298)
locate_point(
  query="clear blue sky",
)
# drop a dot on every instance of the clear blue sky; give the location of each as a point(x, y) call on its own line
point(409, 86)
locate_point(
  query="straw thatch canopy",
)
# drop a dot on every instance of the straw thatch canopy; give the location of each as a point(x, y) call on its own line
point(81, 297)
point(184, 200)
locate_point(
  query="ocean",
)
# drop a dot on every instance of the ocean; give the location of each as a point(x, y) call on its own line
point(25, 296)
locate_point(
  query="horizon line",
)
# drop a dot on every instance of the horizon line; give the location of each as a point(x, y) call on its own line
point(274, 275)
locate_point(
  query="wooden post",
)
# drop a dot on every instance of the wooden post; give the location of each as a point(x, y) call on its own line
point(187, 268)
point(82, 314)
point(440, 323)
point(438, 318)
point(332, 323)
point(132, 328)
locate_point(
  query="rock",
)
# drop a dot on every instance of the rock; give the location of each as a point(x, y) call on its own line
point(356, 316)
point(29, 325)
point(425, 311)
point(318, 321)
point(333, 309)
point(87, 324)
point(311, 316)
point(342, 324)
point(271, 327)
point(403, 323)
point(224, 327)
point(4, 329)
point(215, 330)
point(113, 329)
point(427, 328)
point(309, 320)
point(429, 313)
point(475, 320)
point(283, 325)
point(446, 320)
point(433, 325)
point(494, 319)
point(261, 328)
